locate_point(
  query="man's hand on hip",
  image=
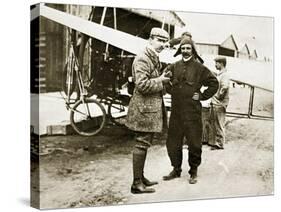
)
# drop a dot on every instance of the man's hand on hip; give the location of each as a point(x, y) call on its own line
point(195, 96)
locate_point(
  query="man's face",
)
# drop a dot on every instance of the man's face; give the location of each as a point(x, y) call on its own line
point(218, 66)
point(157, 43)
point(186, 50)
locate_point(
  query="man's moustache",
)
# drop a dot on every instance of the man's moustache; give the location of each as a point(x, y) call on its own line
point(185, 54)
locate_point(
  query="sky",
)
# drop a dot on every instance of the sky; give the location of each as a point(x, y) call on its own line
point(256, 31)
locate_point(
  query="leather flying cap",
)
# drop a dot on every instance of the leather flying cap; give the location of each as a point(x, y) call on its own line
point(158, 32)
point(186, 40)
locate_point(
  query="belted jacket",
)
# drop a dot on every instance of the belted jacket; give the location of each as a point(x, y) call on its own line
point(145, 112)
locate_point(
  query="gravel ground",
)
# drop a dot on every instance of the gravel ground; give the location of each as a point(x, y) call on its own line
point(78, 171)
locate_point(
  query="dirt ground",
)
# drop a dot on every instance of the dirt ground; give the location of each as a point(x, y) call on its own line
point(78, 171)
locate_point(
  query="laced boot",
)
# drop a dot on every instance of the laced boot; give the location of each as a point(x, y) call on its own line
point(175, 173)
point(193, 176)
point(147, 182)
point(139, 188)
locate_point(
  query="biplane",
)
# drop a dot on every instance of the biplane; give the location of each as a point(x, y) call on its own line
point(112, 46)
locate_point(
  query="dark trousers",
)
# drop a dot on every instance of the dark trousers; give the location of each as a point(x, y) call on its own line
point(192, 131)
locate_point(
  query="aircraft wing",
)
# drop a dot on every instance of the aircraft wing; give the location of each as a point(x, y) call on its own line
point(114, 37)
point(252, 72)
point(106, 34)
point(255, 73)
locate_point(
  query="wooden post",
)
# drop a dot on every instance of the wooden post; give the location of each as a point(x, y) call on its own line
point(103, 15)
point(251, 102)
point(163, 22)
point(101, 23)
point(169, 29)
point(115, 19)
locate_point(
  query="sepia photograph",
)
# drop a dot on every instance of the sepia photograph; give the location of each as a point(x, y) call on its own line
point(133, 105)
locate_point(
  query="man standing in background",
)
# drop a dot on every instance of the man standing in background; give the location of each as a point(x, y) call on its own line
point(219, 104)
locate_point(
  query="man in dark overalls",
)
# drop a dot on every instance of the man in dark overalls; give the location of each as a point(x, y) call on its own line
point(188, 76)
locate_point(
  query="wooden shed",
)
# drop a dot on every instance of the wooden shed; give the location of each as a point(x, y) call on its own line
point(55, 42)
point(244, 52)
point(217, 45)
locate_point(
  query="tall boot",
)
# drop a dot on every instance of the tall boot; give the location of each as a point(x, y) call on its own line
point(138, 187)
point(146, 181)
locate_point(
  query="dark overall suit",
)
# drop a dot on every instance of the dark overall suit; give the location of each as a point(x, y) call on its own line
point(185, 120)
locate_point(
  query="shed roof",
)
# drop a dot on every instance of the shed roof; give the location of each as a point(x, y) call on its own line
point(209, 28)
point(254, 53)
point(245, 49)
point(229, 42)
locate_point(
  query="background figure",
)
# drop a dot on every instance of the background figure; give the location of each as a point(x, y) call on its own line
point(188, 76)
point(219, 104)
point(176, 41)
point(207, 133)
point(146, 109)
